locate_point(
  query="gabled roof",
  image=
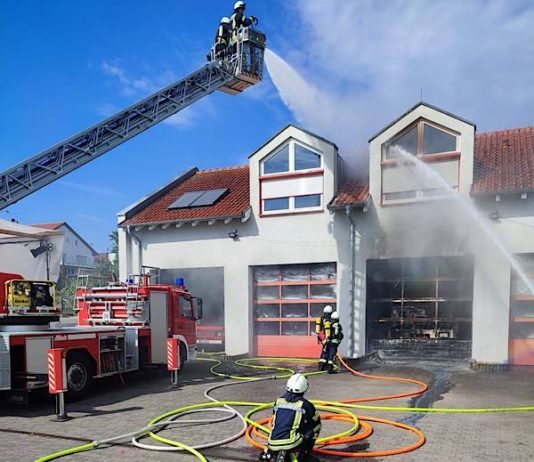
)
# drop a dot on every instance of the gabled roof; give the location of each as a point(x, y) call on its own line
point(51, 226)
point(298, 128)
point(59, 224)
point(504, 161)
point(234, 204)
point(413, 108)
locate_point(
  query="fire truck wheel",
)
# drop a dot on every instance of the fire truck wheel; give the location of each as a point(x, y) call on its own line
point(79, 374)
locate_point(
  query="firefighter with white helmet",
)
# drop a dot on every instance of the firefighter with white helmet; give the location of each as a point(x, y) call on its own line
point(333, 337)
point(222, 37)
point(239, 19)
point(322, 324)
point(296, 423)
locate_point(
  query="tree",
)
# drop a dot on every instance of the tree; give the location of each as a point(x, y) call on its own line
point(114, 239)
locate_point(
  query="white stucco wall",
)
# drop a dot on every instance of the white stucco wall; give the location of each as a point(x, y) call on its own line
point(274, 240)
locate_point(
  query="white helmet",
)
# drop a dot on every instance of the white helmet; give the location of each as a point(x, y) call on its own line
point(297, 383)
point(239, 5)
point(225, 20)
point(328, 309)
point(335, 316)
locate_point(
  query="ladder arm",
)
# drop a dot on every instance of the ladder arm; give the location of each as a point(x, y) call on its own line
point(61, 159)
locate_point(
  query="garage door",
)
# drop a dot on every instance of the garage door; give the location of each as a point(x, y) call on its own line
point(287, 299)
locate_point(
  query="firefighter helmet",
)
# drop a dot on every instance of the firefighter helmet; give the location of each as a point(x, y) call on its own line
point(297, 383)
point(335, 316)
point(238, 5)
point(328, 309)
point(225, 20)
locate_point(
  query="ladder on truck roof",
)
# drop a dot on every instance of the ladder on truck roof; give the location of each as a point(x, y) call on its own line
point(241, 69)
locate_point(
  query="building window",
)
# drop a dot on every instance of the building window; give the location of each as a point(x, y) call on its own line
point(292, 157)
point(419, 140)
point(278, 162)
point(308, 203)
point(436, 146)
point(306, 159)
point(305, 202)
point(280, 203)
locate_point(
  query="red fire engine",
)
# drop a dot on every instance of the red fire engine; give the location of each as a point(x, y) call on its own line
point(120, 328)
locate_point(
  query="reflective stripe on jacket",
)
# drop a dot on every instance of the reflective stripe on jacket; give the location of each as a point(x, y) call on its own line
point(287, 419)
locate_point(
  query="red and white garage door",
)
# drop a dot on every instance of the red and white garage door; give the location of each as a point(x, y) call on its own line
point(287, 300)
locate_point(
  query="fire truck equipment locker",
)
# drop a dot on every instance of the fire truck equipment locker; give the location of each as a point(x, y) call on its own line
point(159, 327)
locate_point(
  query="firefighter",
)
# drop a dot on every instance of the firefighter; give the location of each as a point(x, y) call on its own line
point(296, 423)
point(239, 19)
point(222, 38)
point(320, 326)
point(334, 335)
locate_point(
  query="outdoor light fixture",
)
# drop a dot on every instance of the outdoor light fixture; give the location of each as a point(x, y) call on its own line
point(43, 247)
point(233, 234)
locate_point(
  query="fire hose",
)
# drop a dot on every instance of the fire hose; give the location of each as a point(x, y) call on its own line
point(360, 428)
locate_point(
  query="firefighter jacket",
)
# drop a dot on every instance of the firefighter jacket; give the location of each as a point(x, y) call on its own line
point(239, 20)
point(295, 420)
point(223, 34)
point(335, 334)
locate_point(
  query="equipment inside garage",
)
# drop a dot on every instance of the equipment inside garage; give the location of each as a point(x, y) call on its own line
point(420, 307)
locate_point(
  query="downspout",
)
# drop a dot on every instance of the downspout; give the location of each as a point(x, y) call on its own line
point(348, 212)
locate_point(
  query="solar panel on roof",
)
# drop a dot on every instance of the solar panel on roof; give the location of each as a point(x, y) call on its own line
point(198, 198)
point(185, 200)
point(209, 197)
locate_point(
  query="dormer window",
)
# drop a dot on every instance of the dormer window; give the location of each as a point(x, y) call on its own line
point(422, 139)
point(292, 180)
point(435, 145)
point(292, 157)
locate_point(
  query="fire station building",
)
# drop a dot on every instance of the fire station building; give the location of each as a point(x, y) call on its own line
point(413, 268)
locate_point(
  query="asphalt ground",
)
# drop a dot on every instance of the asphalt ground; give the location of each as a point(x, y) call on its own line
point(112, 408)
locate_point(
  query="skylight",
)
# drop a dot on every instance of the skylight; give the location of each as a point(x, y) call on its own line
point(198, 198)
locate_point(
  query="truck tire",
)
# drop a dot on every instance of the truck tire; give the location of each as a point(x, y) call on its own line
point(79, 374)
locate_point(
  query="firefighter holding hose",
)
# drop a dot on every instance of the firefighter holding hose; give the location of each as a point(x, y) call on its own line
point(296, 424)
point(322, 324)
point(333, 337)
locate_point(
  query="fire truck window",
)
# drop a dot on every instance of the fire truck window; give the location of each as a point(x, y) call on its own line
point(186, 308)
point(41, 295)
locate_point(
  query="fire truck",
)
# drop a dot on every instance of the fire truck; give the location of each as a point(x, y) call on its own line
point(120, 328)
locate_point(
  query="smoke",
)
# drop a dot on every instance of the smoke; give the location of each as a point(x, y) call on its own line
point(320, 111)
point(355, 66)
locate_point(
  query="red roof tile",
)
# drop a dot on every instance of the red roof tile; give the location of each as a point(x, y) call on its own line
point(504, 161)
point(51, 226)
point(351, 192)
point(234, 203)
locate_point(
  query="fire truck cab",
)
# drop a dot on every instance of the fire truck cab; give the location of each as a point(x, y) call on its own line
point(120, 328)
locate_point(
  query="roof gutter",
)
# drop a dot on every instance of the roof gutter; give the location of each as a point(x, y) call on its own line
point(245, 216)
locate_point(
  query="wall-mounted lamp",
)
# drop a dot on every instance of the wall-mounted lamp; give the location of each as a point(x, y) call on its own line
point(43, 247)
point(233, 234)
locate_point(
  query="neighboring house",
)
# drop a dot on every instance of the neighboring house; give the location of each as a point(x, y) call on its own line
point(412, 268)
point(77, 252)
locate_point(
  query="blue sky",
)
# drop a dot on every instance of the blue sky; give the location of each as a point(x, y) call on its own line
point(356, 65)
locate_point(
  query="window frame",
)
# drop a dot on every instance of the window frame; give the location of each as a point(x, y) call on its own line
point(292, 159)
point(427, 158)
point(420, 154)
point(292, 209)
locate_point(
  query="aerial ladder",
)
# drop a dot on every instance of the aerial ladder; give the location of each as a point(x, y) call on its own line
point(241, 67)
